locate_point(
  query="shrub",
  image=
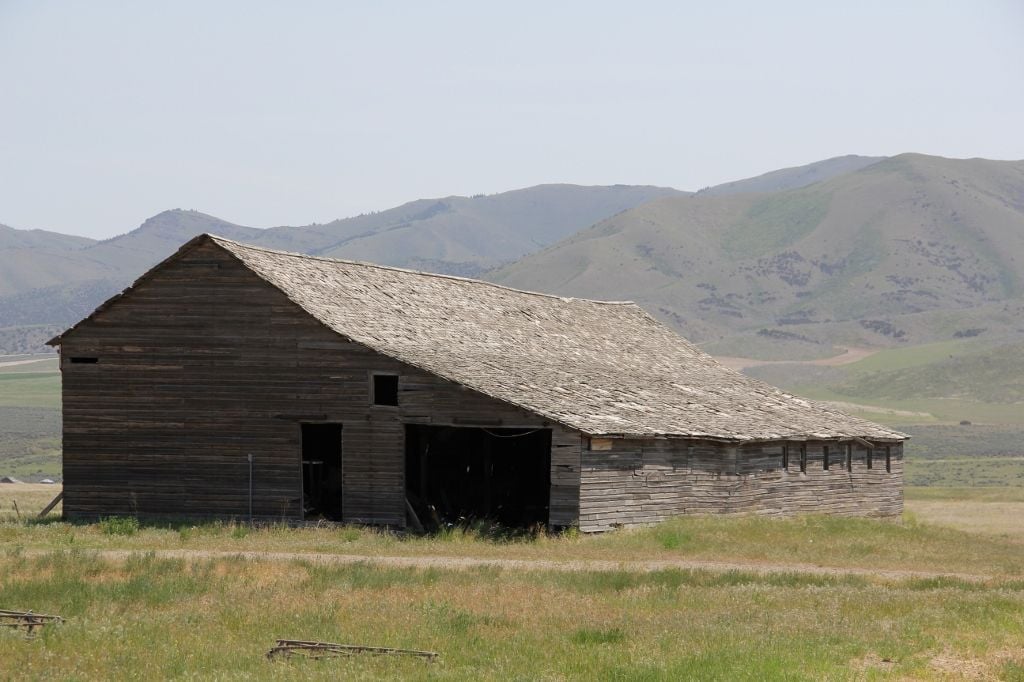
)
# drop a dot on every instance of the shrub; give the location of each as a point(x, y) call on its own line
point(591, 636)
point(119, 525)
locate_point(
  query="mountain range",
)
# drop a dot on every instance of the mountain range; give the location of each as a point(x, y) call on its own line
point(850, 251)
point(48, 280)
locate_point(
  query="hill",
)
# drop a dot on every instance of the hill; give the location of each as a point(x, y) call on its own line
point(33, 258)
point(794, 178)
point(52, 280)
point(907, 250)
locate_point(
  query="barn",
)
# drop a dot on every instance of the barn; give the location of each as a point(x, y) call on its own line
point(238, 382)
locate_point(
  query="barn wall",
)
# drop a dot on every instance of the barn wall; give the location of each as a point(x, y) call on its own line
point(645, 481)
point(205, 363)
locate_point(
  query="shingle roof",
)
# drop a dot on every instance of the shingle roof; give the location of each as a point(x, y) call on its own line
point(605, 369)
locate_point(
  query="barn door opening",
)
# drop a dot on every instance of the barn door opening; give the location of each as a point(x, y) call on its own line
point(461, 474)
point(321, 471)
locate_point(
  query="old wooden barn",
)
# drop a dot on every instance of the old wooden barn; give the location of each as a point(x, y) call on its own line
point(234, 381)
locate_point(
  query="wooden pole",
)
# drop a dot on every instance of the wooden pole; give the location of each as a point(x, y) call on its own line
point(53, 503)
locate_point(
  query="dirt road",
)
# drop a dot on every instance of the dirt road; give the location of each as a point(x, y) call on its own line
point(849, 355)
point(462, 563)
point(14, 363)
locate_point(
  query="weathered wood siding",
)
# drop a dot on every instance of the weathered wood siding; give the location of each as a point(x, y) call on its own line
point(645, 481)
point(204, 363)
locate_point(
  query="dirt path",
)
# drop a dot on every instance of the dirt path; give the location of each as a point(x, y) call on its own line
point(849, 355)
point(12, 363)
point(462, 563)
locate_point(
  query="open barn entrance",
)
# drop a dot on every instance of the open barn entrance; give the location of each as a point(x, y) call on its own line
point(458, 474)
point(321, 471)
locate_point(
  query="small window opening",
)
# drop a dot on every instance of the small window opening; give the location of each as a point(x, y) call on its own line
point(824, 457)
point(871, 457)
point(803, 458)
point(888, 459)
point(385, 389)
point(785, 457)
point(849, 456)
point(84, 361)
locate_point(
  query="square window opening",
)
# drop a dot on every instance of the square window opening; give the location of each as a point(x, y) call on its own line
point(384, 390)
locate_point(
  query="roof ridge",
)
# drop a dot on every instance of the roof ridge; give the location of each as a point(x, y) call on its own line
point(294, 254)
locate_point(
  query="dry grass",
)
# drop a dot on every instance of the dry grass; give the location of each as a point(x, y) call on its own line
point(1004, 519)
point(973, 531)
point(159, 619)
point(152, 618)
point(837, 542)
point(30, 499)
point(984, 511)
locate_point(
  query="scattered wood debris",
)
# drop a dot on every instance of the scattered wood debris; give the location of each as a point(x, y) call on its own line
point(26, 619)
point(318, 650)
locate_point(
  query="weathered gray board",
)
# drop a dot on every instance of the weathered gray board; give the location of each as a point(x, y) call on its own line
point(205, 363)
point(629, 481)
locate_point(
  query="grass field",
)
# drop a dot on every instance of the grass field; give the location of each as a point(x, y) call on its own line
point(30, 389)
point(966, 472)
point(145, 617)
point(148, 618)
point(141, 616)
point(30, 420)
point(914, 544)
point(30, 499)
point(937, 383)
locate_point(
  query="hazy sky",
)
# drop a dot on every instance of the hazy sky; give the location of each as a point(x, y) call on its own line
point(293, 112)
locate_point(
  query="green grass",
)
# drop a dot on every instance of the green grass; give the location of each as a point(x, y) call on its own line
point(30, 389)
point(30, 442)
point(944, 382)
point(965, 494)
point(969, 472)
point(149, 618)
point(30, 419)
point(943, 441)
point(908, 358)
point(775, 222)
point(838, 542)
point(38, 364)
point(934, 410)
point(995, 376)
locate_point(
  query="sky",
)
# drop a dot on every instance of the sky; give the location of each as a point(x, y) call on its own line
point(273, 113)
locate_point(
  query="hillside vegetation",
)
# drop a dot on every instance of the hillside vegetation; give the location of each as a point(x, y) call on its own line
point(907, 250)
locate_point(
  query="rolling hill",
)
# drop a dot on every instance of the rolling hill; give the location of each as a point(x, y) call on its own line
point(906, 250)
point(794, 178)
point(49, 280)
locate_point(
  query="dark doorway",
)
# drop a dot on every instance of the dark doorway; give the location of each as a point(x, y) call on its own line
point(321, 471)
point(459, 474)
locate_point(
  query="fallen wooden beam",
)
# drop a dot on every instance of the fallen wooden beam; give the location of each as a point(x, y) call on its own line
point(26, 619)
point(288, 647)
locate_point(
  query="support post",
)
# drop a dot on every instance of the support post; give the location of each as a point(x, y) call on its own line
point(250, 458)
